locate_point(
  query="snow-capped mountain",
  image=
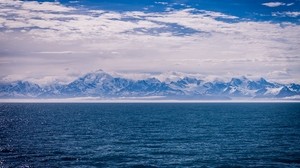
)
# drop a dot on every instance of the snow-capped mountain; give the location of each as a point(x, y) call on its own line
point(104, 85)
point(20, 89)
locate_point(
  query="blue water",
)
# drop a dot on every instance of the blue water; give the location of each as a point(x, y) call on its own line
point(150, 135)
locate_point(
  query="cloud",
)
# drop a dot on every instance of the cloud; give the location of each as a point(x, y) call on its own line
point(45, 6)
point(286, 14)
point(39, 41)
point(59, 52)
point(162, 3)
point(274, 4)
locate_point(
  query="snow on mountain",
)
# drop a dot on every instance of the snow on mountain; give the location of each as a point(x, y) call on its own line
point(20, 89)
point(172, 84)
point(294, 87)
point(285, 92)
point(170, 76)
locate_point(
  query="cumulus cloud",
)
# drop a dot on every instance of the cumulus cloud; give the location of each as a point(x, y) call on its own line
point(42, 41)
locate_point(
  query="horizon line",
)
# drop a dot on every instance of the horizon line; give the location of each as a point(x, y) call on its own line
point(76, 100)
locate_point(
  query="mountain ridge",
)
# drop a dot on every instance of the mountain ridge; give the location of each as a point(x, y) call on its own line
point(104, 85)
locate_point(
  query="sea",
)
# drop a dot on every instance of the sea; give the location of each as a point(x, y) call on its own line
point(149, 135)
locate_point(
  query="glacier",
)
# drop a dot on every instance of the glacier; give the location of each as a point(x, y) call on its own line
point(184, 87)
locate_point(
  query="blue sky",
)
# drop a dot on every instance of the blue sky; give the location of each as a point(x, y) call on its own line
point(47, 41)
point(258, 10)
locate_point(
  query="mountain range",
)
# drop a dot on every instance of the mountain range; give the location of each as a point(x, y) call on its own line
point(104, 85)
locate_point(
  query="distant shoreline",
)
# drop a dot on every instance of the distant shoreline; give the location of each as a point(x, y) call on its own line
point(87, 100)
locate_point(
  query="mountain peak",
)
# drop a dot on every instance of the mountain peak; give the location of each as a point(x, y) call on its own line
point(236, 81)
point(99, 71)
point(262, 80)
point(190, 86)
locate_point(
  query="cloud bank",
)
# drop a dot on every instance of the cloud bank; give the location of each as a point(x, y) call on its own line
point(47, 41)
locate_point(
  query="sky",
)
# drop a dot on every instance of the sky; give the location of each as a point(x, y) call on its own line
point(57, 41)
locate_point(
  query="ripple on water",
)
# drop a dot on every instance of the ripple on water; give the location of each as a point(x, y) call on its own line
point(150, 135)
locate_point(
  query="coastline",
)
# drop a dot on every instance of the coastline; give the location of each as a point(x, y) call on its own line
point(97, 100)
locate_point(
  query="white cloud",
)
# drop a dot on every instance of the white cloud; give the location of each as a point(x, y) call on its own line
point(286, 14)
point(274, 4)
point(162, 3)
point(45, 6)
point(293, 14)
point(290, 4)
point(43, 41)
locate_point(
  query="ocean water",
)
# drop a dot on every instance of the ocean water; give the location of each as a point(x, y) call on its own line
point(150, 135)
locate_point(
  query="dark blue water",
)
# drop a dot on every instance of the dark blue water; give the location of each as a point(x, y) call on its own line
point(150, 135)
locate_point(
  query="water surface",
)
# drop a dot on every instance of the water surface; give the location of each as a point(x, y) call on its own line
point(150, 135)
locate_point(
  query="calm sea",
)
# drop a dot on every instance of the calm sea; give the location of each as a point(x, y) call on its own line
point(150, 135)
